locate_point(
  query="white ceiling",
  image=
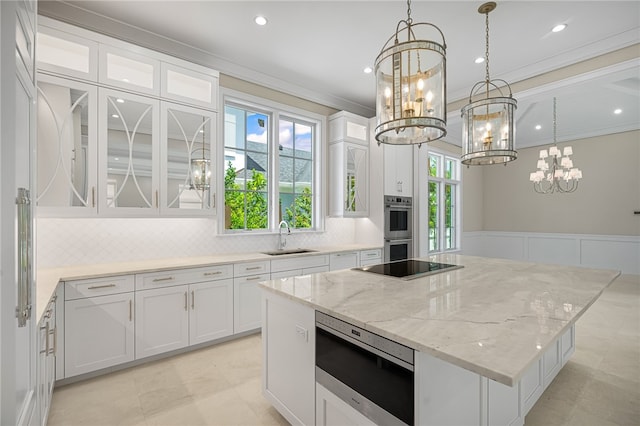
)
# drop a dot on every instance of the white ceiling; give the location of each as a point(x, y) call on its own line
point(318, 50)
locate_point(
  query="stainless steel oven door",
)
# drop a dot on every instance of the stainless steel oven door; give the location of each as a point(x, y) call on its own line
point(398, 249)
point(397, 221)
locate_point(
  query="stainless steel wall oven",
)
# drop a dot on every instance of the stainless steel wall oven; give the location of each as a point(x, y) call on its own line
point(371, 373)
point(398, 217)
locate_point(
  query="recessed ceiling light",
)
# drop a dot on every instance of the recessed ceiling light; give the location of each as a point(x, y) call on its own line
point(116, 158)
point(538, 127)
point(126, 80)
point(617, 111)
point(368, 70)
point(559, 28)
point(115, 116)
point(260, 20)
point(120, 100)
point(479, 60)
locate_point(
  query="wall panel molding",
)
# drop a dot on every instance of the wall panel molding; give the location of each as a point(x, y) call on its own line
point(619, 252)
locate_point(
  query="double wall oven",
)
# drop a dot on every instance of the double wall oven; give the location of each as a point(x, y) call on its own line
point(398, 229)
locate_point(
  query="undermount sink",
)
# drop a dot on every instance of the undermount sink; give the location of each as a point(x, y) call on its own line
point(289, 251)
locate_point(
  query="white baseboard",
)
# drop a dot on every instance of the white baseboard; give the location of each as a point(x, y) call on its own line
point(619, 252)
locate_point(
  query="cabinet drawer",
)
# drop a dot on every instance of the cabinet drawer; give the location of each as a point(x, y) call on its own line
point(299, 262)
point(182, 276)
point(251, 268)
point(370, 254)
point(81, 289)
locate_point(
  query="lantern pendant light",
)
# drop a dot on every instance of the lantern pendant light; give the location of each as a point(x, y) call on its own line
point(201, 165)
point(488, 123)
point(411, 103)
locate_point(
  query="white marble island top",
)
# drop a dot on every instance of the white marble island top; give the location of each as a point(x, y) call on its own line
point(494, 317)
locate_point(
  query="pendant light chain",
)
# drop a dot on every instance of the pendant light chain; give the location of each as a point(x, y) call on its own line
point(486, 52)
point(555, 140)
point(409, 20)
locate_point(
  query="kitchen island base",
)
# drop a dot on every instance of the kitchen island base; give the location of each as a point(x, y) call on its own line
point(445, 394)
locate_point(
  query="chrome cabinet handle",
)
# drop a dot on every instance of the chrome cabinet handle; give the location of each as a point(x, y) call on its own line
point(157, 280)
point(95, 287)
point(207, 274)
point(23, 203)
point(130, 310)
point(157, 200)
point(253, 268)
point(54, 333)
point(253, 278)
point(193, 300)
point(46, 339)
point(186, 303)
point(93, 196)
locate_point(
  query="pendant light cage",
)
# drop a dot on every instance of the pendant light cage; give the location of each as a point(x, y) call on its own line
point(488, 122)
point(201, 164)
point(411, 103)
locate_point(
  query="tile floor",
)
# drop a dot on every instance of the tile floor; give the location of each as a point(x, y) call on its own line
point(220, 385)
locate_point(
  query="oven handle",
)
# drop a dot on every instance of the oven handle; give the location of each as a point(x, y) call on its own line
point(392, 207)
point(398, 241)
point(366, 347)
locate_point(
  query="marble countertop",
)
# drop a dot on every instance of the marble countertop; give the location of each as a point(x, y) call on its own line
point(494, 317)
point(47, 279)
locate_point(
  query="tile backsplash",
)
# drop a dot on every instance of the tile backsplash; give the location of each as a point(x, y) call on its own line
point(62, 242)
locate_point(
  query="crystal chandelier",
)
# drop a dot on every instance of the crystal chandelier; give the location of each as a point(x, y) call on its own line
point(411, 104)
point(553, 177)
point(488, 124)
point(201, 165)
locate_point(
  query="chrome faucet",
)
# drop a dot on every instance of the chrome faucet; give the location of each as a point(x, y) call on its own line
point(282, 243)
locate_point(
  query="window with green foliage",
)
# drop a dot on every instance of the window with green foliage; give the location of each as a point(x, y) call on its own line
point(443, 183)
point(296, 172)
point(254, 154)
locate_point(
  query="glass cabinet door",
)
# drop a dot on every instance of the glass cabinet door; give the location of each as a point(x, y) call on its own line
point(187, 174)
point(66, 147)
point(356, 179)
point(128, 153)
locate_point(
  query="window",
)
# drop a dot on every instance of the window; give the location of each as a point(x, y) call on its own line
point(270, 167)
point(443, 183)
point(246, 171)
point(296, 173)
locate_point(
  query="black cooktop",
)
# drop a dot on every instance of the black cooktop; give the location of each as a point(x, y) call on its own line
point(409, 269)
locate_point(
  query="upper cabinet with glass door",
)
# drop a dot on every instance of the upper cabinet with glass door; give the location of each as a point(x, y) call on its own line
point(186, 162)
point(128, 142)
point(63, 53)
point(66, 147)
point(349, 163)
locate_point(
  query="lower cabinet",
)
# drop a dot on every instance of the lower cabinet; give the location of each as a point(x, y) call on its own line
point(344, 260)
point(246, 303)
point(331, 411)
point(172, 318)
point(47, 351)
point(288, 339)
point(370, 257)
point(98, 333)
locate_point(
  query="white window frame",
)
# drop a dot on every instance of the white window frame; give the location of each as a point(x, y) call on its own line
point(287, 112)
point(422, 165)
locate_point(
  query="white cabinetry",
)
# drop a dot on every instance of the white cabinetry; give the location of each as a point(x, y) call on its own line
point(175, 309)
point(284, 268)
point(288, 346)
point(344, 260)
point(98, 329)
point(130, 152)
point(67, 147)
point(349, 165)
point(48, 346)
point(370, 257)
point(398, 170)
point(331, 411)
point(246, 294)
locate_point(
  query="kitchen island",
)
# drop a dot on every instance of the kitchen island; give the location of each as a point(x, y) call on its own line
point(488, 338)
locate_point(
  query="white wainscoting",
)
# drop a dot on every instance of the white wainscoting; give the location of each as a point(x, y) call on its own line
point(593, 251)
